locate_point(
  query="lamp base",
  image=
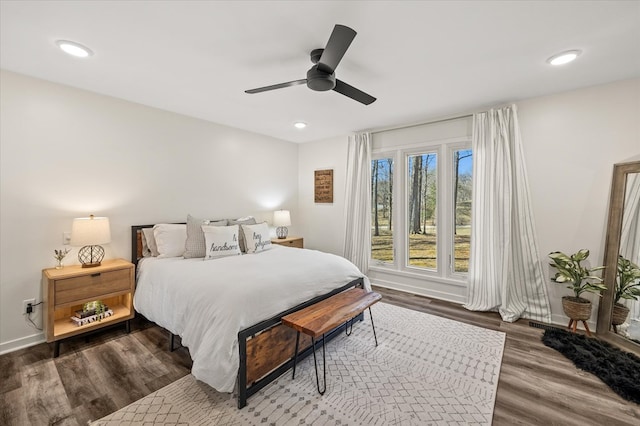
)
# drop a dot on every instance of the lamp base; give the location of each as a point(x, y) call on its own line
point(91, 256)
point(282, 232)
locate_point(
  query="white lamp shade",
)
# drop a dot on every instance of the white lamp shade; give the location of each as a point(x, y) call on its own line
point(90, 231)
point(281, 218)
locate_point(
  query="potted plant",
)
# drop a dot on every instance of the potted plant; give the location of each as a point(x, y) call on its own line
point(580, 280)
point(627, 287)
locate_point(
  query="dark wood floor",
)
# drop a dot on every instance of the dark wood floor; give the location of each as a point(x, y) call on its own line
point(93, 378)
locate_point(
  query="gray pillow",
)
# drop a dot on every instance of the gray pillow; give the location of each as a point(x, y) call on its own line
point(194, 245)
point(249, 220)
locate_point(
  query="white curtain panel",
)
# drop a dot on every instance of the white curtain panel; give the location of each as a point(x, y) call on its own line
point(505, 272)
point(630, 233)
point(358, 201)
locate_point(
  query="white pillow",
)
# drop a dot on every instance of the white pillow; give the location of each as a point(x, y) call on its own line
point(149, 247)
point(256, 237)
point(249, 220)
point(170, 239)
point(221, 241)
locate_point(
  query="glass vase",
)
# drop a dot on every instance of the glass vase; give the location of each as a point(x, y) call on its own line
point(59, 264)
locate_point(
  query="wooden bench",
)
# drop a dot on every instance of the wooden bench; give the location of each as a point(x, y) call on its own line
point(318, 319)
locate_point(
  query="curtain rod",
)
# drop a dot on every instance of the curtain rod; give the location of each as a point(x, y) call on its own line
point(421, 124)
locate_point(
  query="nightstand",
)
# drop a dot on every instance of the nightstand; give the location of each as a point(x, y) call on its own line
point(66, 290)
point(289, 242)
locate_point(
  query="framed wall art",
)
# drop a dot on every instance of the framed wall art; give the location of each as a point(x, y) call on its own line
point(323, 186)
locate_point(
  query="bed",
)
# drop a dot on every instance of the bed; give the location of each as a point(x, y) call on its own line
point(227, 311)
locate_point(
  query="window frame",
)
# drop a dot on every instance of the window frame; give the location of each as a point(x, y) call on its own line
point(445, 224)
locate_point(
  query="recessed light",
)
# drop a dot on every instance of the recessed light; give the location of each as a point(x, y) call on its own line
point(564, 57)
point(74, 49)
point(299, 125)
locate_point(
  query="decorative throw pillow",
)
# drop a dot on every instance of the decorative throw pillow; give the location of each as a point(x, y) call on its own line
point(256, 237)
point(149, 247)
point(170, 239)
point(249, 220)
point(221, 241)
point(194, 246)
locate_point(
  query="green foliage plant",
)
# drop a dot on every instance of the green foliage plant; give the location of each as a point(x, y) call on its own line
point(97, 306)
point(580, 278)
point(628, 282)
point(60, 254)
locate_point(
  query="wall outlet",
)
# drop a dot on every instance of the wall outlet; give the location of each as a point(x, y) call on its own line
point(66, 238)
point(25, 303)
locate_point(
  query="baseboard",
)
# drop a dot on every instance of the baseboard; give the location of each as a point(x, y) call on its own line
point(21, 343)
point(559, 320)
point(449, 297)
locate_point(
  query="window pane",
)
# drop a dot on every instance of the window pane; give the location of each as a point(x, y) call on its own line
point(382, 210)
point(463, 173)
point(421, 209)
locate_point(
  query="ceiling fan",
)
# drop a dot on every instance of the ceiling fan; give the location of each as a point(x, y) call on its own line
point(321, 76)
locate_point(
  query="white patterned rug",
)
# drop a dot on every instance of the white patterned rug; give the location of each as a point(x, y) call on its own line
point(425, 370)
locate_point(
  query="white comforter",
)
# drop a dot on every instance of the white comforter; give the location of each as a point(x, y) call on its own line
point(208, 302)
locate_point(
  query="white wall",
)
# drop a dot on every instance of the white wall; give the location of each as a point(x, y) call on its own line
point(66, 153)
point(323, 224)
point(571, 141)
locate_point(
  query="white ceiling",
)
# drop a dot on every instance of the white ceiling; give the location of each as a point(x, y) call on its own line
point(422, 60)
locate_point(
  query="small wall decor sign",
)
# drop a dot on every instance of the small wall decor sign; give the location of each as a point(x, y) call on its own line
point(323, 186)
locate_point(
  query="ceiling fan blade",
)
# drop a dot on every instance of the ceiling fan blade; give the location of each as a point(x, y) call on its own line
point(338, 43)
point(353, 93)
point(277, 86)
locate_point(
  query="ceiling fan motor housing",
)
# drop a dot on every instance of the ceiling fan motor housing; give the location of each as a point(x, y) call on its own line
point(320, 81)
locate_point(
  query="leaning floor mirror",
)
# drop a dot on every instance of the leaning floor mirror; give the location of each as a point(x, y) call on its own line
point(619, 311)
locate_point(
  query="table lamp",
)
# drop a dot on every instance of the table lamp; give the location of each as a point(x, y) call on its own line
point(281, 219)
point(90, 232)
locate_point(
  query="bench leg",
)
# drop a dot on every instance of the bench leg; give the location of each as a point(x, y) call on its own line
point(347, 329)
point(295, 355)
point(373, 326)
point(324, 365)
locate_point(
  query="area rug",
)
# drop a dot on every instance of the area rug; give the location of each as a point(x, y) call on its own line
point(620, 370)
point(426, 370)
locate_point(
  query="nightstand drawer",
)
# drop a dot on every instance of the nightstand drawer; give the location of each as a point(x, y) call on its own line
point(91, 285)
point(293, 243)
point(297, 242)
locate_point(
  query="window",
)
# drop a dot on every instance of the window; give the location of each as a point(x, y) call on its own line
point(422, 202)
point(421, 221)
point(382, 210)
point(462, 168)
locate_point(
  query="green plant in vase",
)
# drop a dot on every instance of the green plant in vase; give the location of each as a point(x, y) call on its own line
point(580, 279)
point(627, 287)
point(59, 255)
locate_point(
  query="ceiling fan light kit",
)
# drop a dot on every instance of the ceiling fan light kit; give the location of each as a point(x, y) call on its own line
point(321, 77)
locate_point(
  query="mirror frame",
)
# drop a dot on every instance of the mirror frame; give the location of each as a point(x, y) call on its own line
point(612, 247)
